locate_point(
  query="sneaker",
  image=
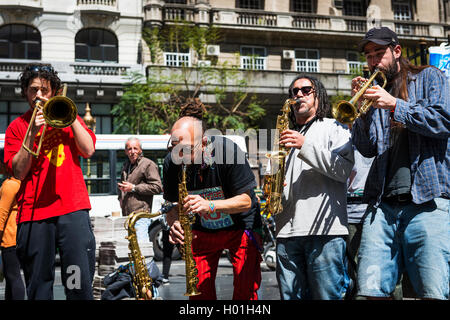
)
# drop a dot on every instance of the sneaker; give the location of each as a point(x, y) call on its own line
point(166, 281)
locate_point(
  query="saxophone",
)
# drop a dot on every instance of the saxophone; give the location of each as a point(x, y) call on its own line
point(142, 282)
point(186, 220)
point(273, 183)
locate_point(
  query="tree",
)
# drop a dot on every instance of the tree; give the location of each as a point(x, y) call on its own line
point(150, 105)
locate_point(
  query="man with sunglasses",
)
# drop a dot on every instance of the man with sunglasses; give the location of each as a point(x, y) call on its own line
point(53, 202)
point(221, 195)
point(311, 229)
point(406, 227)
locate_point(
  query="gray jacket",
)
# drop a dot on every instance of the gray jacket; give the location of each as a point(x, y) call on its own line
point(145, 176)
point(315, 195)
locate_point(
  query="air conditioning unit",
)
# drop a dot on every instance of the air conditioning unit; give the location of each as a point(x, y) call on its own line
point(288, 54)
point(338, 4)
point(204, 63)
point(212, 50)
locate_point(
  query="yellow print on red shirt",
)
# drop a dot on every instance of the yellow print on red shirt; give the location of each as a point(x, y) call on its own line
point(53, 147)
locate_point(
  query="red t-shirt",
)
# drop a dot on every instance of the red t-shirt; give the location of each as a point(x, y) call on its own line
point(54, 185)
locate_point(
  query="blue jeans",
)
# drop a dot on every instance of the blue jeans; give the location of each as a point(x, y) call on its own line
point(312, 268)
point(410, 237)
point(141, 227)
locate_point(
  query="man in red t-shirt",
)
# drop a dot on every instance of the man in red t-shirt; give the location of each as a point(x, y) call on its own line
point(53, 202)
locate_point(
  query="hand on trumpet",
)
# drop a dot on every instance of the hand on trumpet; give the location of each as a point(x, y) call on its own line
point(357, 83)
point(380, 97)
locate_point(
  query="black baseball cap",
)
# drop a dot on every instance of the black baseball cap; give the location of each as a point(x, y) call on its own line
point(382, 35)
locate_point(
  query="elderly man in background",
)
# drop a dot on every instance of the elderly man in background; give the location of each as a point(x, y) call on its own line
point(140, 181)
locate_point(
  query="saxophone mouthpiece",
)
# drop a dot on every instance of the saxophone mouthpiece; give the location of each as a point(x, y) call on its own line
point(295, 101)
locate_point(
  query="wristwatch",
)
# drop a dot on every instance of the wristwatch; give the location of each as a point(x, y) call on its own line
point(134, 188)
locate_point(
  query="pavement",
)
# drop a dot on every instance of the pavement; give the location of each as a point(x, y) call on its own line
point(177, 286)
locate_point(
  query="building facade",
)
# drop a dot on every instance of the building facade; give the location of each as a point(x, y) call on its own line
point(92, 44)
point(275, 40)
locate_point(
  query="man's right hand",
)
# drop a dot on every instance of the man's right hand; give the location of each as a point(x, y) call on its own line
point(176, 234)
point(39, 121)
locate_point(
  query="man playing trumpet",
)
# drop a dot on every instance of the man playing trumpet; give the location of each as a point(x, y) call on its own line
point(406, 226)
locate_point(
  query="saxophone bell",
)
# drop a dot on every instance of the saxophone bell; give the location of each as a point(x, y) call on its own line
point(142, 282)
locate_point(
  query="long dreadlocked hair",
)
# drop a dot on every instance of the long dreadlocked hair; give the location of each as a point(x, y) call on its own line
point(320, 93)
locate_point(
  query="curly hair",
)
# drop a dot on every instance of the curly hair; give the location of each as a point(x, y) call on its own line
point(39, 70)
point(194, 108)
point(320, 93)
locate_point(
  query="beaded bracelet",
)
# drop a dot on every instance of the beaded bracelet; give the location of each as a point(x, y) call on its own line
point(212, 207)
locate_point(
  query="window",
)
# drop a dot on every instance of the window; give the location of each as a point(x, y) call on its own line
point(250, 4)
point(354, 65)
point(96, 45)
point(9, 110)
point(176, 1)
point(253, 58)
point(304, 6)
point(19, 41)
point(176, 59)
point(102, 114)
point(307, 60)
point(402, 11)
point(354, 8)
point(104, 164)
point(96, 171)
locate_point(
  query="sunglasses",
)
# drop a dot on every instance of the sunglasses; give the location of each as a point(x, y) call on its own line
point(305, 90)
point(188, 148)
point(36, 68)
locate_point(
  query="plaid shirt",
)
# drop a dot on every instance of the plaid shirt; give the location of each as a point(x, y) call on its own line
point(426, 115)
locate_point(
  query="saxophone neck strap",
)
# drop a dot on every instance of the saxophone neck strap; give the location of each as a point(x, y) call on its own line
point(303, 128)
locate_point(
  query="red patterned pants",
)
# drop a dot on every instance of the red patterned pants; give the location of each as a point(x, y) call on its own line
point(207, 249)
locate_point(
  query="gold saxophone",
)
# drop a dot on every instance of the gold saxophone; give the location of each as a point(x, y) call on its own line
point(141, 279)
point(273, 183)
point(186, 220)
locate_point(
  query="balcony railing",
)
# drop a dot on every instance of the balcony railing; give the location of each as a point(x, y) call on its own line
point(37, 4)
point(289, 20)
point(77, 68)
point(256, 19)
point(99, 69)
point(97, 2)
point(98, 6)
point(411, 28)
point(310, 22)
point(356, 25)
point(178, 14)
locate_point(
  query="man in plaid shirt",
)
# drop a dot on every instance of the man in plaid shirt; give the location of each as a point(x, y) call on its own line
point(406, 225)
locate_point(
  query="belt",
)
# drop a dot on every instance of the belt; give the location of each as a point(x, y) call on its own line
point(354, 200)
point(399, 199)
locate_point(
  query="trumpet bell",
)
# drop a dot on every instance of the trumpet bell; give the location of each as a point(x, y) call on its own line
point(344, 112)
point(60, 112)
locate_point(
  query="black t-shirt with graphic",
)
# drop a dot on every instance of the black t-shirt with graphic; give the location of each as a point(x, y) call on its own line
point(225, 174)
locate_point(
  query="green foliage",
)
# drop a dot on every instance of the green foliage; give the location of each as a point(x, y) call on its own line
point(152, 105)
point(142, 108)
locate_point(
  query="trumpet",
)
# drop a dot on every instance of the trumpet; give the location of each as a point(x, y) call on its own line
point(346, 112)
point(59, 112)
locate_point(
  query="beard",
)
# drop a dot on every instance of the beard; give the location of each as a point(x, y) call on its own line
point(391, 71)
